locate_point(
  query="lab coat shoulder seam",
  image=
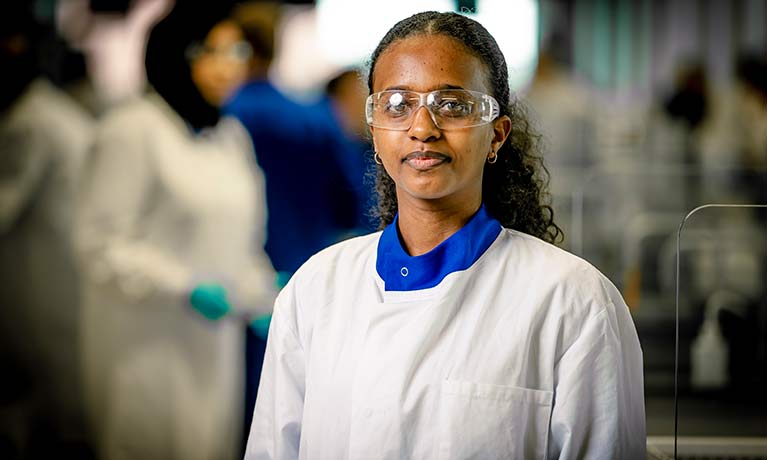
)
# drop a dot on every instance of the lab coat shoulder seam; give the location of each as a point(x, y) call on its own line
point(286, 311)
point(583, 326)
point(314, 270)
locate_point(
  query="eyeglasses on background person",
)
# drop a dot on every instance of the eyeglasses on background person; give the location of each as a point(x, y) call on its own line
point(449, 108)
point(239, 51)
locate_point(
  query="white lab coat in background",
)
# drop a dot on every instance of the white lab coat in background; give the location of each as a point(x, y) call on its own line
point(163, 209)
point(44, 138)
point(528, 353)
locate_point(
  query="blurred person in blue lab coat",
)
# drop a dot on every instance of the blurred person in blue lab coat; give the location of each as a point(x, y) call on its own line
point(296, 145)
point(171, 231)
point(344, 103)
point(44, 139)
point(310, 199)
point(459, 331)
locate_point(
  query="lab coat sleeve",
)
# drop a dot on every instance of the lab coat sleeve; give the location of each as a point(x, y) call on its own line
point(117, 189)
point(599, 397)
point(257, 287)
point(276, 429)
point(23, 169)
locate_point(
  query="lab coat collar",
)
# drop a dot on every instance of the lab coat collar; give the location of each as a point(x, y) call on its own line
point(402, 272)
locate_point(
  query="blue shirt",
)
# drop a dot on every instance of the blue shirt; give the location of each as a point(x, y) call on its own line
point(403, 272)
point(356, 161)
point(310, 202)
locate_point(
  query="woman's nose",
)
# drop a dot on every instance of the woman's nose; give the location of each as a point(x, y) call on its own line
point(423, 126)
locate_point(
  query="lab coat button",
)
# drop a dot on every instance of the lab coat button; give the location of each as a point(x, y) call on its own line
point(403, 271)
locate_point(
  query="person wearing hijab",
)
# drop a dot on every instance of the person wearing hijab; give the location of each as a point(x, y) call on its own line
point(171, 234)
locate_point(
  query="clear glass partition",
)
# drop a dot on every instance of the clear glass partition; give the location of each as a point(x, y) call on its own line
point(722, 300)
point(625, 219)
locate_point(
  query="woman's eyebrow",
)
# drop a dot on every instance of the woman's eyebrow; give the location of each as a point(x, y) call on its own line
point(408, 88)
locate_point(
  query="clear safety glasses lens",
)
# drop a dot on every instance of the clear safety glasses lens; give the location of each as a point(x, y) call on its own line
point(449, 108)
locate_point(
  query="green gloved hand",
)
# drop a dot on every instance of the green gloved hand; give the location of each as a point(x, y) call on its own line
point(281, 279)
point(260, 326)
point(209, 299)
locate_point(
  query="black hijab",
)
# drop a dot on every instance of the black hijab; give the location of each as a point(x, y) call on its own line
point(168, 69)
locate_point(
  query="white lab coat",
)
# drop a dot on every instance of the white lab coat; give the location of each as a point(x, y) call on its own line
point(44, 138)
point(163, 209)
point(528, 353)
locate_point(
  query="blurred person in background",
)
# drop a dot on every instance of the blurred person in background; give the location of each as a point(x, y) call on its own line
point(563, 111)
point(344, 103)
point(171, 229)
point(752, 82)
point(311, 203)
point(677, 124)
point(738, 135)
point(686, 110)
point(111, 37)
point(732, 140)
point(44, 139)
point(308, 197)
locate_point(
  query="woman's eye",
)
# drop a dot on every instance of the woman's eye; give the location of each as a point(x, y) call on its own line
point(454, 108)
point(396, 108)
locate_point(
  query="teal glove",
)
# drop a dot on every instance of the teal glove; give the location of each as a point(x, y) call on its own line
point(260, 326)
point(209, 299)
point(282, 279)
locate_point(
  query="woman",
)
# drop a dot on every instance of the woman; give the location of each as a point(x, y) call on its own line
point(171, 232)
point(458, 331)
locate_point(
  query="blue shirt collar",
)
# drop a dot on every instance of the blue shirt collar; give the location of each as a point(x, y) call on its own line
point(402, 272)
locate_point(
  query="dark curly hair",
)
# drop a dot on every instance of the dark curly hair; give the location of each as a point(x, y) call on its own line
point(514, 188)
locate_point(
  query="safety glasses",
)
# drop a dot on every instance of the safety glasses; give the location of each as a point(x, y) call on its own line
point(448, 108)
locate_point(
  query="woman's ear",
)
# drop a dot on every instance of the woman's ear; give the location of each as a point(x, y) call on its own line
point(501, 131)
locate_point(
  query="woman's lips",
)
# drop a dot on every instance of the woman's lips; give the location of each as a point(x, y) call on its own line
point(425, 160)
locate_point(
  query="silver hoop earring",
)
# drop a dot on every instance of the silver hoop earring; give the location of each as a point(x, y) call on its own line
point(492, 158)
point(377, 159)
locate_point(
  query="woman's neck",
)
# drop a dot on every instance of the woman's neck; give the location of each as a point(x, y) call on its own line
point(422, 228)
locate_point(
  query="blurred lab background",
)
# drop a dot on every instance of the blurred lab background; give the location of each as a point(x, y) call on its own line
point(165, 166)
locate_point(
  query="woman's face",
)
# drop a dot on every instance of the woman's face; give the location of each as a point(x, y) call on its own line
point(428, 164)
point(219, 69)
